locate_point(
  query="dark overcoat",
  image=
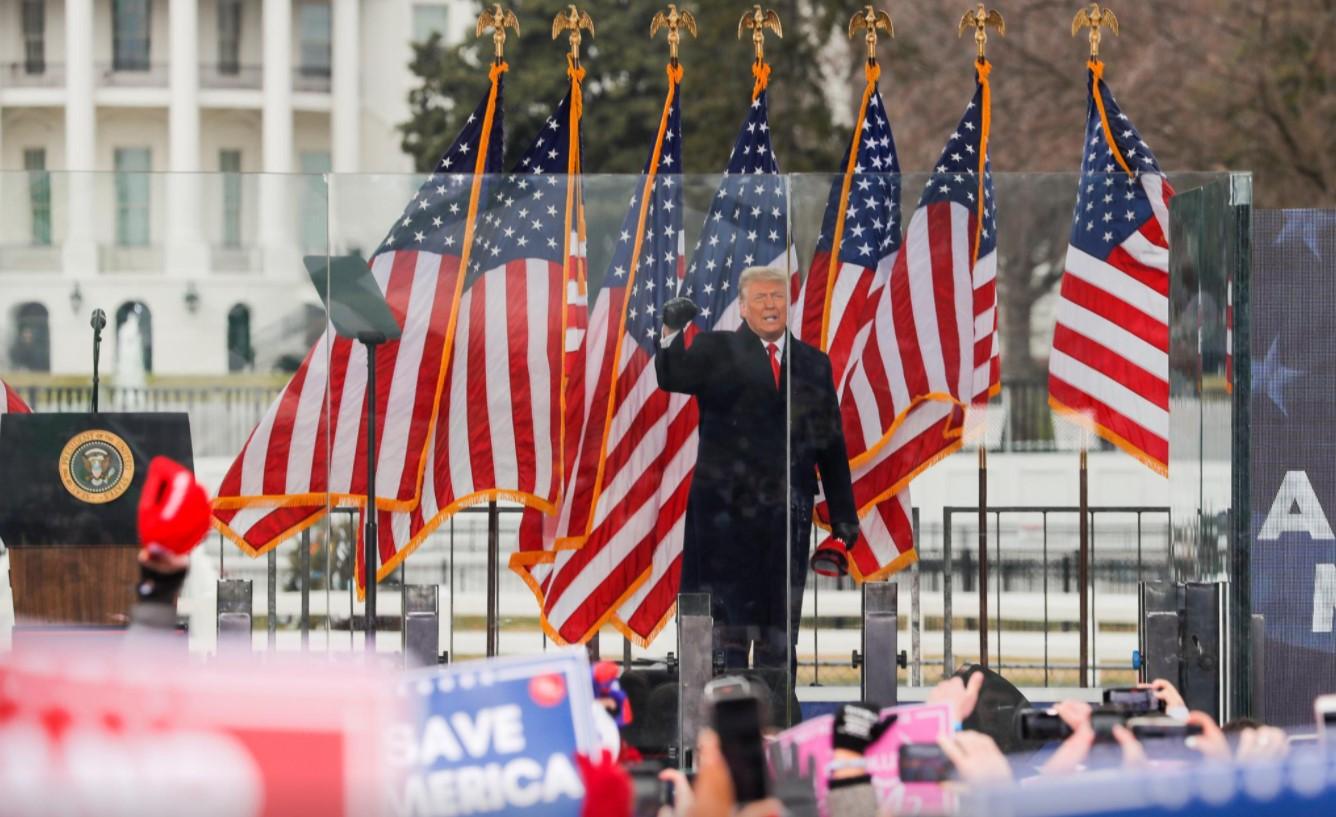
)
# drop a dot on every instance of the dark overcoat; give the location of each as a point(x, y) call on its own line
point(761, 449)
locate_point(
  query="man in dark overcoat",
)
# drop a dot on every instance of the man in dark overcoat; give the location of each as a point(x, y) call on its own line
point(769, 424)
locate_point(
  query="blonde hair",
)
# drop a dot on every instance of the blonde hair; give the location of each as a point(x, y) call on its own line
point(760, 274)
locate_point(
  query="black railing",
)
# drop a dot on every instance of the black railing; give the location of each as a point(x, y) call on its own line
point(1122, 562)
point(1027, 423)
point(221, 416)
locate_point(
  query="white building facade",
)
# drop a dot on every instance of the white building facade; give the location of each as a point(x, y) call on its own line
point(133, 136)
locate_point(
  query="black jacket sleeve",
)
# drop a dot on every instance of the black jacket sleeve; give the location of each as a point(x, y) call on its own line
point(681, 369)
point(832, 458)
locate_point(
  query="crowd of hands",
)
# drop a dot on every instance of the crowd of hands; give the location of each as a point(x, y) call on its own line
point(976, 757)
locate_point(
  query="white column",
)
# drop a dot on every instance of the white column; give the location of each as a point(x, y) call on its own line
point(80, 247)
point(277, 219)
point(345, 123)
point(186, 249)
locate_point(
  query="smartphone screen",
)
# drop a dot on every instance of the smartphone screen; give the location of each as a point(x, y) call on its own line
point(1133, 700)
point(738, 723)
point(924, 763)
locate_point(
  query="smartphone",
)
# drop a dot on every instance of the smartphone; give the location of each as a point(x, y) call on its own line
point(1144, 729)
point(1041, 725)
point(924, 763)
point(1103, 719)
point(1133, 700)
point(1324, 709)
point(646, 788)
point(735, 714)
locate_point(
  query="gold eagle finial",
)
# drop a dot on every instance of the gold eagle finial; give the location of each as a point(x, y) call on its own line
point(497, 19)
point(1094, 17)
point(675, 20)
point(758, 21)
point(979, 19)
point(572, 20)
point(871, 18)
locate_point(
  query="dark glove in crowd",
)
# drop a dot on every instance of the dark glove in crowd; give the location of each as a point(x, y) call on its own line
point(858, 726)
point(678, 312)
point(846, 532)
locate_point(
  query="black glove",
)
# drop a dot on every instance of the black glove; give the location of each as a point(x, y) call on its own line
point(156, 587)
point(678, 312)
point(846, 532)
point(858, 726)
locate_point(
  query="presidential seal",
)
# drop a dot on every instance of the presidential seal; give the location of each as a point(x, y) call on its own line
point(97, 467)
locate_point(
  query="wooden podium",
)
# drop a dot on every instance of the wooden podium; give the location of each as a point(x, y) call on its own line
point(68, 514)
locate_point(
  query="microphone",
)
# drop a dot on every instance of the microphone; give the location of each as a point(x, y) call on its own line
point(98, 322)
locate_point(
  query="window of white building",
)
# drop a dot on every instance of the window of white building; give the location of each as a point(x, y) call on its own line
point(130, 26)
point(39, 196)
point(132, 196)
point(314, 35)
point(34, 36)
point(240, 354)
point(229, 37)
point(30, 348)
point(229, 162)
point(315, 201)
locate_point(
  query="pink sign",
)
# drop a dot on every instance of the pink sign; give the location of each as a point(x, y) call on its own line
point(807, 747)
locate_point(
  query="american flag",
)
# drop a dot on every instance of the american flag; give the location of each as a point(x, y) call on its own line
point(10, 402)
point(1109, 368)
point(308, 450)
point(855, 252)
point(933, 350)
point(746, 226)
point(539, 531)
point(858, 244)
point(499, 425)
point(629, 490)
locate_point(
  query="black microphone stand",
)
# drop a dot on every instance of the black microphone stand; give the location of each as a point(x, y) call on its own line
point(98, 321)
point(371, 536)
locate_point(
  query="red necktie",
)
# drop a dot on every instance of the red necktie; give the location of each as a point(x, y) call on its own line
point(774, 361)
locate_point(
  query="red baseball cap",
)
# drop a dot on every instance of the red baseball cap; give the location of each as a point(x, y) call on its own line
point(173, 508)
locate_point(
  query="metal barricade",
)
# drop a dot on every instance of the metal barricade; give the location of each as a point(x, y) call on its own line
point(695, 646)
point(880, 655)
point(421, 633)
point(234, 616)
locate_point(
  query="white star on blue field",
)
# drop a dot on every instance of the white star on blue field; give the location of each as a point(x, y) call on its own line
point(1308, 227)
point(1271, 376)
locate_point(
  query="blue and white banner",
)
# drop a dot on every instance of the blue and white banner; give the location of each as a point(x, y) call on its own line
point(1293, 454)
point(494, 737)
point(1301, 786)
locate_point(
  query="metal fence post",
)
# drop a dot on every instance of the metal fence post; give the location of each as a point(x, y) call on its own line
point(271, 617)
point(915, 611)
point(234, 616)
point(880, 642)
point(306, 588)
point(421, 625)
point(695, 646)
point(493, 571)
point(948, 660)
point(1257, 667)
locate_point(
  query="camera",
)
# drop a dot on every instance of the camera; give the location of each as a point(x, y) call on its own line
point(1041, 725)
